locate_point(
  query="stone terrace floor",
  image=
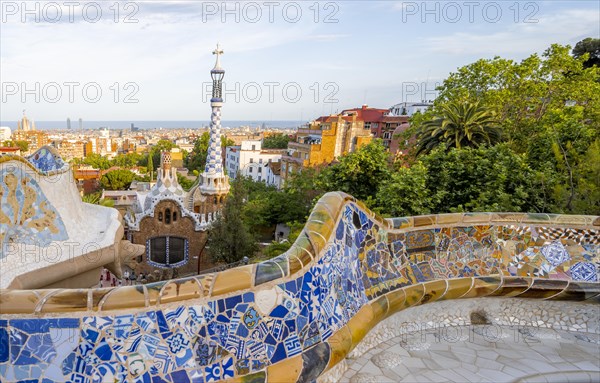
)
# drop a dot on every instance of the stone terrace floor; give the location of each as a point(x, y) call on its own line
point(481, 353)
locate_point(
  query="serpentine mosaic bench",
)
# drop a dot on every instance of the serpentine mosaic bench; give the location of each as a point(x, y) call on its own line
point(294, 317)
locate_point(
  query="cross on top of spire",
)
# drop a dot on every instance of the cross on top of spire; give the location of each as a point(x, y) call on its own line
point(218, 52)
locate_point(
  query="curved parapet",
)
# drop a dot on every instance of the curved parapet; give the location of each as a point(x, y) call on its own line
point(48, 236)
point(294, 317)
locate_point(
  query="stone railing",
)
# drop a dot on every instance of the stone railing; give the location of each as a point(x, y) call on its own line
point(296, 316)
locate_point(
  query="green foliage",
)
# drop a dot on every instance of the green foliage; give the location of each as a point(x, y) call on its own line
point(405, 193)
point(128, 160)
point(276, 141)
point(185, 182)
point(460, 124)
point(549, 109)
point(97, 161)
point(95, 199)
point(154, 154)
point(358, 173)
point(150, 166)
point(276, 248)
point(22, 145)
point(524, 94)
point(483, 179)
point(229, 239)
point(117, 179)
point(590, 47)
point(196, 160)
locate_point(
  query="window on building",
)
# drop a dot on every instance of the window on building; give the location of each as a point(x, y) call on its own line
point(251, 160)
point(249, 170)
point(260, 160)
point(367, 125)
point(167, 251)
point(259, 178)
point(174, 216)
point(168, 216)
point(160, 216)
point(259, 170)
point(253, 147)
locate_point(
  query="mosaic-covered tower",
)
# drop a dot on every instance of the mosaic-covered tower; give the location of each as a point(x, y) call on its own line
point(214, 185)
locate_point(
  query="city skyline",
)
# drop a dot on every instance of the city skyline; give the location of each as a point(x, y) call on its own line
point(156, 53)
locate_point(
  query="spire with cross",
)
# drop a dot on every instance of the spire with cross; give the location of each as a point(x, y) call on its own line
point(218, 52)
point(217, 74)
point(214, 180)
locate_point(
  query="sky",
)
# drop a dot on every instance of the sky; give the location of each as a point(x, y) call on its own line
point(151, 60)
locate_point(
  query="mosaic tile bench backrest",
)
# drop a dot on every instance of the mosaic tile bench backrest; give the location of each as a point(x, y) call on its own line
point(295, 316)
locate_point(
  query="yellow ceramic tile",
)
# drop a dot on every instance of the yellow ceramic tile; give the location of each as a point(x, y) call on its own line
point(206, 282)
point(288, 370)
point(153, 291)
point(334, 202)
point(483, 287)
point(507, 217)
point(66, 300)
point(414, 294)
point(576, 291)
point(20, 301)
point(424, 220)
point(434, 291)
point(574, 220)
point(305, 256)
point(360, 324)
point(476, 218)
point(179, 290)
point(380, 308)
point(239, 278)
point(396, 301)
point(123, 297)
point(457, 288)
point(318, 241)
point(340, 344)
point(98, 295)
point(513, 286)
point(447, 219)
point(545, 288)
point(295, 264)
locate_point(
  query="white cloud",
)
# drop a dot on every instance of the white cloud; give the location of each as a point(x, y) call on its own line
point(519, 38)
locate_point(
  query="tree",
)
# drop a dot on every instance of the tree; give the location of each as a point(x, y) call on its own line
point(460, 124)
point(96, 200)
point(128, 160)
point(185, 182)
point(276, 141)
point(482, 179)
point(22, 145)
point(97, 161)
point(228, 238)
point(161, 146)
point(117, 180)
point(358, 173)
point(590, 46)
point(150, 165)
point(405, 193)
point(196, 160)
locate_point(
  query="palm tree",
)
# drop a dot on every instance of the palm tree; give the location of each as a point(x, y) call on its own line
point(459, 125)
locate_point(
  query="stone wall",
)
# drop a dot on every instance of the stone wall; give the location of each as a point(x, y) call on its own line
point(151, 227)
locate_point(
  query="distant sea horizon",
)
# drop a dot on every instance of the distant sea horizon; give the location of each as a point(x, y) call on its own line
point(118, 125)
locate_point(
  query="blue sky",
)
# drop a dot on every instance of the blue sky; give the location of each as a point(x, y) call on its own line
point(378, 53)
